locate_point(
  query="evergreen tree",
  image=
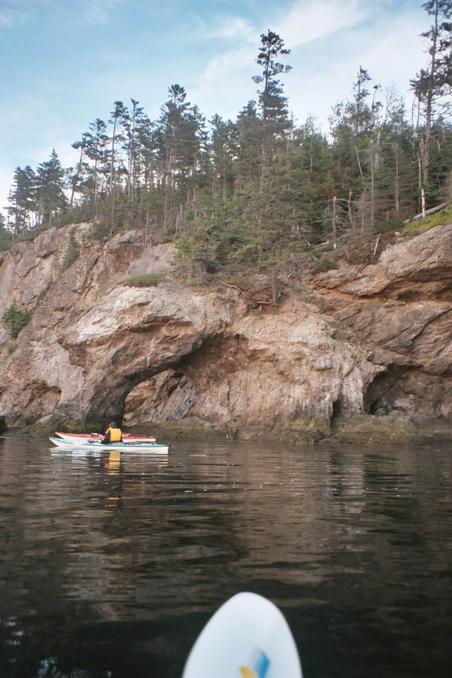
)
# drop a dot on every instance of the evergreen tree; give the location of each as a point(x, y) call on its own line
point(249, 149)
point(76, 175)
point(96, 140)
point(5, 234)
point(180, 130)
point(50, 189)
point(358, 109)
point(22, 199)
point(119, 121)
point(272, 102)
point(434, 83)
point(224, 149)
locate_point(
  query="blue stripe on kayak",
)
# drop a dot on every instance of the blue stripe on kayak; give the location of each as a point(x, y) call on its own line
point(261, 664)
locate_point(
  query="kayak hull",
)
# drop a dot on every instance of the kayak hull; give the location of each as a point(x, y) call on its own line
point(128, 447)
point(127, 437)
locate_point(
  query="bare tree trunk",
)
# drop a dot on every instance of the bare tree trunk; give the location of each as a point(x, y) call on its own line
point(372, 187)
point(167, 188)
point(359, 161)
point(351, 219)
point(79, 169)
point(334, 223)
point(146, 226)
point(429, 102)
point(275, 285)
point(112, 171)
point(95, 188)
point(397, 180)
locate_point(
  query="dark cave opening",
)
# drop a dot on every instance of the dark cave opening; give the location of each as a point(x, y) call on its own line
point(384, 390)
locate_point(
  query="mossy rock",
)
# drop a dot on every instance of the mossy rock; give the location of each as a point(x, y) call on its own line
point(418, 226)
point(363, 429)
point(59, 422)
point(143, 280)
point(190, 428)
point(303, 431)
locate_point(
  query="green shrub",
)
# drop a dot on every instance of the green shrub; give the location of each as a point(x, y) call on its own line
point(99, 231)
point(72, 253)
point(324, 264)
point(15, 319)
point(388, 226)
point(143, 280)
point(184, 244)
point(6, 238)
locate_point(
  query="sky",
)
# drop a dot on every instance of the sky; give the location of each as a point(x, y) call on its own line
point(64, 62)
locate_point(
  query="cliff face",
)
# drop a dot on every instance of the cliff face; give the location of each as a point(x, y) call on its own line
point(402, 309)
point(375, 338)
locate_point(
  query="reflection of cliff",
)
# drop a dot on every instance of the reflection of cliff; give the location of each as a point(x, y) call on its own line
point(374, 338)
point(135, 538)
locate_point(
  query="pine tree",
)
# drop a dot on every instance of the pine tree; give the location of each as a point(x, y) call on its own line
point(96, 140)
point(5, 234)
point(180, 132)
point(119, 120)
point(224, 149)
point(272, 102)
point(434, 83)
point(75, 176)
point(22, 199)
point(249, 149)
point(50, 189)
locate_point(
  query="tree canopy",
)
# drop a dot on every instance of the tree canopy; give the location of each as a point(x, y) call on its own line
point(260, 187)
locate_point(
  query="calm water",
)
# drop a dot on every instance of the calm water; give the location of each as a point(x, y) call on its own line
point(110, 566)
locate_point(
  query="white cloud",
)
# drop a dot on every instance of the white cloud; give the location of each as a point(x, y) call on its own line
point(231, 28)
point(390, 49)
point(392, 57)
point(307, 21)
point(227, 75)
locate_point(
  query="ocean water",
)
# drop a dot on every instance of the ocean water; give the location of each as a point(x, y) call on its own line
point(111, 563)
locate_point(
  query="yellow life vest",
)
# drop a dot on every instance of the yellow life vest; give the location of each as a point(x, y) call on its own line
point(115, 434)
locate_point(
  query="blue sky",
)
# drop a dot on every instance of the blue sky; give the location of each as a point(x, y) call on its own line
point(63, 62)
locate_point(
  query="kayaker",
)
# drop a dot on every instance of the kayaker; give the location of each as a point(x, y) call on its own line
point(113, 434)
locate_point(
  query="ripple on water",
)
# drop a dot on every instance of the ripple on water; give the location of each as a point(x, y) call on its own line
point(110, 564)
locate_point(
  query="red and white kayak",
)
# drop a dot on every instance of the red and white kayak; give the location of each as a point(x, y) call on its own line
point(82, 444)
point(80, 437)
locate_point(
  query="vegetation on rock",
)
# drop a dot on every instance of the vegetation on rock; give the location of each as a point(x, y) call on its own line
point(72, 253)
point(15, 319)
point(143, 280)
point(415, 227)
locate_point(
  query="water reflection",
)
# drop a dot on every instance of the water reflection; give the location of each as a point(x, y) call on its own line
point(101, 550)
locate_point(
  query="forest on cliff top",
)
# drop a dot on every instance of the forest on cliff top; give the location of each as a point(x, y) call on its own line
point(258, 189)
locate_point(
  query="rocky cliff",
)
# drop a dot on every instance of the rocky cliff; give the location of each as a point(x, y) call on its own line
point(362, 339)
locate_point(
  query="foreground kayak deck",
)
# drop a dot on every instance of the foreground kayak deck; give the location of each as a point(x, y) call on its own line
point(247, 637)
point(96, 445)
